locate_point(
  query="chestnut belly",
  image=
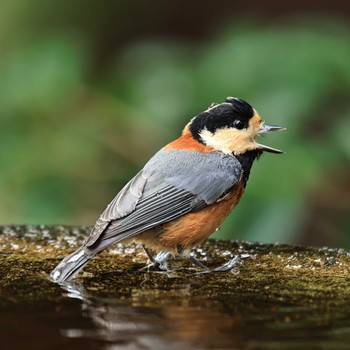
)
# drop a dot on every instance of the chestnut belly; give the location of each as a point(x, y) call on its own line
point(193, 228)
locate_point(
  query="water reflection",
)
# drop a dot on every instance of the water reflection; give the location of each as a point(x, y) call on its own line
point(180, 319)
point(141, 322)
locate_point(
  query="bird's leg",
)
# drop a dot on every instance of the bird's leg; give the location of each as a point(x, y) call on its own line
point(149, 254)
point(231, 264)
point(197, 262)
point(181, 251)
point(160, 260)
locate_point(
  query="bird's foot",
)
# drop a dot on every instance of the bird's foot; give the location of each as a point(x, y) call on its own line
point(231, 265)
point(197, 263)
point(160, 261)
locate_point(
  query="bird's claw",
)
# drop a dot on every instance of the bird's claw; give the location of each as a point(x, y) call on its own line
point(160, 261)
point(228, 266)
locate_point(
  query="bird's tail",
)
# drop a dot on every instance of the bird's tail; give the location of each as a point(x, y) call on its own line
point(70, 265)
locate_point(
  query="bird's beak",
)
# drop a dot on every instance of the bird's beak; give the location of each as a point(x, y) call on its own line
point(268, 128)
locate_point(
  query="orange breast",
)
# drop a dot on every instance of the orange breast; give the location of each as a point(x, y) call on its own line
point(194, 228)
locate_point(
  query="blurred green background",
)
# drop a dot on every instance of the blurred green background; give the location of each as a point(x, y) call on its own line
point(89, 90)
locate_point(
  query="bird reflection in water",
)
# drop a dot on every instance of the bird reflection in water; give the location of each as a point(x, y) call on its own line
point(154, 319)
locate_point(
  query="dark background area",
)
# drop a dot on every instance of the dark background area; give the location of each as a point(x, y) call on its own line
point(90, 90)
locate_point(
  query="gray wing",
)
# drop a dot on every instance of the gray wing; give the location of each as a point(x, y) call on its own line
point(123, 204)
point(172, 184)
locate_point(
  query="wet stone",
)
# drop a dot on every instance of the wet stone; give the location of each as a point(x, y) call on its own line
point(29, 252)
point(271, 285)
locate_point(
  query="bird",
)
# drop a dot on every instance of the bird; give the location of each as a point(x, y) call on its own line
point(184, 192)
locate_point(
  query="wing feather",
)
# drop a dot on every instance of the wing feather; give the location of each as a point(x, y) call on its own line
point(123, 204)
point(172, 184)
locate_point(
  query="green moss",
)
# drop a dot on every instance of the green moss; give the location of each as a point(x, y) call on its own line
point(276, 273)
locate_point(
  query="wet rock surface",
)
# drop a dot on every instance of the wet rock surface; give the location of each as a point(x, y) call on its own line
point(292, 293)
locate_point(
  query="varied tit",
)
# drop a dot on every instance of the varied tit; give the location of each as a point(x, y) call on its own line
point(184, 192)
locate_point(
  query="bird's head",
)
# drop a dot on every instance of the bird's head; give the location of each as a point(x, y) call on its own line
point(231, 127)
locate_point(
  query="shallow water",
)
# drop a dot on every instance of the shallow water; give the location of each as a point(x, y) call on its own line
point(268, 302)
point(80, 320)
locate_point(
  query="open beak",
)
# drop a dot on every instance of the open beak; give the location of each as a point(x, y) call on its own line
point(268, 128)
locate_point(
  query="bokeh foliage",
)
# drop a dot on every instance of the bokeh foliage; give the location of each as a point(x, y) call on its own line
point(71, 135)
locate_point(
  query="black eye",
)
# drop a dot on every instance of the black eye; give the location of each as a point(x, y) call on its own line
point(238, 124)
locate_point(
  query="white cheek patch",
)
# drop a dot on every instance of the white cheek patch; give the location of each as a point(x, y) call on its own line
point(230, 140)
point(211, 140)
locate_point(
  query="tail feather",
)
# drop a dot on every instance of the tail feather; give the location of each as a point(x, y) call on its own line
point(70, 266)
